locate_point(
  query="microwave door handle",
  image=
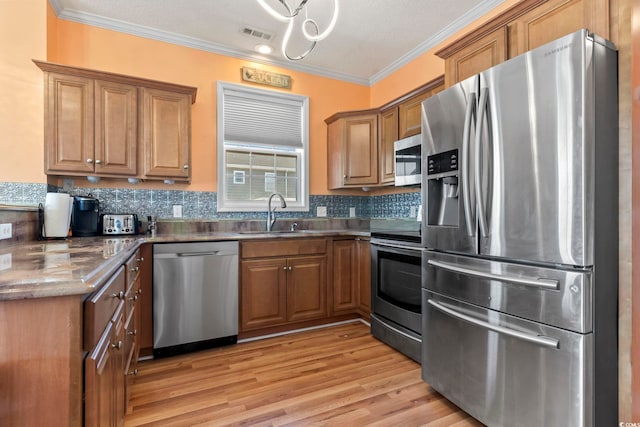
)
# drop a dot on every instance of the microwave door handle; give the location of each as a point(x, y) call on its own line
point(466, 136)
point(482, 107)
point(535, 339)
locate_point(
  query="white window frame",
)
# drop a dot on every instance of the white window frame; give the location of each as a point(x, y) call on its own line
point(302, 196)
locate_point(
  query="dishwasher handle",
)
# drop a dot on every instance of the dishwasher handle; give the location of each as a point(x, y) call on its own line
point(189, 254)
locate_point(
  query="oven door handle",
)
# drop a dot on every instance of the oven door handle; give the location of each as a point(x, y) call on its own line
point(537, 283)
point(395, 246)
point(535, 339)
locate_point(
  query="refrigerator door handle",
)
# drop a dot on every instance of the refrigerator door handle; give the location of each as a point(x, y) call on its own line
point(466, 136)
point(535, 339)
point(547, 284)
point(482, 107)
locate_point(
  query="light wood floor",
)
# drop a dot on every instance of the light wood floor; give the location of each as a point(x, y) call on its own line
point(329, 377)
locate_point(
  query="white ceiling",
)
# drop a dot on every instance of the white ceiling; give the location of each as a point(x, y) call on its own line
point(372, 38)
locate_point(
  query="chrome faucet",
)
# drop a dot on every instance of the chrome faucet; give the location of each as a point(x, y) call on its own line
point(271, 212)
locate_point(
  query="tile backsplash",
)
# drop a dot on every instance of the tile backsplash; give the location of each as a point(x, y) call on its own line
point(203, 204)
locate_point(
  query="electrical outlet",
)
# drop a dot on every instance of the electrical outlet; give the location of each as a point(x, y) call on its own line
point(177, 211)
point(321, 211)
point(5, 231)
point(352, 212)
point(5, 261)
point(412, 212)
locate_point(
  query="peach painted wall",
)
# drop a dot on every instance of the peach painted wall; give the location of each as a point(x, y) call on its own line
point(424, 68)
point(91, 47)
point(22, 37)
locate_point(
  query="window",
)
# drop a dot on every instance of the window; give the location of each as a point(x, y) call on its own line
point(263, 148)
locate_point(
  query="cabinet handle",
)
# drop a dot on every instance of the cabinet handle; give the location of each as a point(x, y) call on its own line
point(134, 269)
point(140, 259)
point(117, 345)
point(119, 295)
point(134, 332)
point(134, 372)
point(134, 298)
point(185, 167)
point(98, 162)
point(89, 160)
point(139, 291)
point(290, 268)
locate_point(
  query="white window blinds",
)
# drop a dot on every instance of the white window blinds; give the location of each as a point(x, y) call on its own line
point(252, 118)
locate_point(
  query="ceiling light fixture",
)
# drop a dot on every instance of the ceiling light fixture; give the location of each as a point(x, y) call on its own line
point(314, 37)
point(264, 49)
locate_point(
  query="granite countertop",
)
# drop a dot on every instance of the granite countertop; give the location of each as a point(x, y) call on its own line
point(80, 265)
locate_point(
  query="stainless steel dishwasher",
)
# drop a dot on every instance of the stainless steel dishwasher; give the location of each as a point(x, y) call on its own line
point(195, 296)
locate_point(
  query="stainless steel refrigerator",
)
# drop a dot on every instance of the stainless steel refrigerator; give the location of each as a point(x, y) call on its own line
point(520, 183)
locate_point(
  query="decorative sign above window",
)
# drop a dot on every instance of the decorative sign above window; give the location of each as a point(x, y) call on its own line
point(266, 78)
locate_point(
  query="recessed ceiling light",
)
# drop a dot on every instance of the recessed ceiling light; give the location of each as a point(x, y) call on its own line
point(264, 49)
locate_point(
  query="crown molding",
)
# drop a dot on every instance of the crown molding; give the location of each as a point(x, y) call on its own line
point(477, 12)
point(469, 17)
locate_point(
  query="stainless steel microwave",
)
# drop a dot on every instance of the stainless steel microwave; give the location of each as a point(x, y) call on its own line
point(407, 155)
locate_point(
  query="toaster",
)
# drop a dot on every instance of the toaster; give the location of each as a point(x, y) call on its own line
point(117, 224)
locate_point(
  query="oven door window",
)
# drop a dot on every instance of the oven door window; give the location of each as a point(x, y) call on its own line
point(399, 280)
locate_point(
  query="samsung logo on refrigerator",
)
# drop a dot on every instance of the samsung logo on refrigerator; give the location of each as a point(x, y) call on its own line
point(557, 50)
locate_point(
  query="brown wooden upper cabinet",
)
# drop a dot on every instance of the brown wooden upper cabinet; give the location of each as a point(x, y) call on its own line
point(112, 125)
point(353, 150)
point(360, 143)
point(166, 134)
point(525, 26)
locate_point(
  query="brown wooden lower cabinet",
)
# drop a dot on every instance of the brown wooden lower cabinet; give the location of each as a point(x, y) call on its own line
point(104, 366)
point(364, 276)
point(279, 290)
point(345, 276)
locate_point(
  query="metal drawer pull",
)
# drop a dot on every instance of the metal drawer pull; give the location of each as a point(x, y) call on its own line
point(117, 345)
point(536, 339)
point(538, 283)
point(119, 295)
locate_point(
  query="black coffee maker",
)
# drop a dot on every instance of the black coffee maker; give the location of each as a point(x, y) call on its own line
point(84, 216)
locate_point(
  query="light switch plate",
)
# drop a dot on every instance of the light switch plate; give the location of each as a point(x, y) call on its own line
point(177, 211)
point(352, 212)
point(321, 211)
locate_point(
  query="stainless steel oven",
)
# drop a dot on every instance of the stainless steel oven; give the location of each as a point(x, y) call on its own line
point(396, 282)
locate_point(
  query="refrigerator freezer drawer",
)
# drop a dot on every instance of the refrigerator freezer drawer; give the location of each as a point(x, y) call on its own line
point(551, 296)
point(503, 370)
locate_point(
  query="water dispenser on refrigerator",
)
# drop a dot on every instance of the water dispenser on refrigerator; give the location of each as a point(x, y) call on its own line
point(442, 189)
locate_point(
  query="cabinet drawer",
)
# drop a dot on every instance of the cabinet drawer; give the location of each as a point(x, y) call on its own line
point(100, 307)
point(282, 247)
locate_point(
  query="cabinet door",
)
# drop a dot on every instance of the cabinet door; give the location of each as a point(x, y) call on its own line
point(484, 53)
point(345, 276)
point(69, 124)
point(116, 131)
point(118, 349)
point(364, 275)
point(554, 19)
point(263, 297)
point(388, 135)
point(166, 134)
point(306, 288)
point(410, 115)
point(361, 150)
